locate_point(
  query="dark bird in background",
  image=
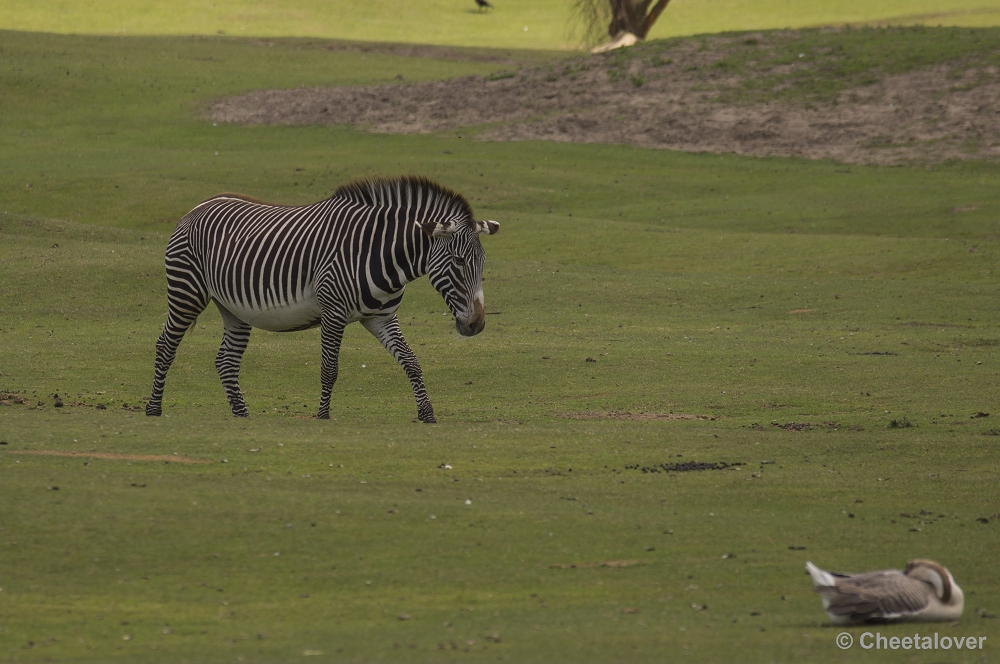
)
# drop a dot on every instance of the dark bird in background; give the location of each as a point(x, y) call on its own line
point(483, 4)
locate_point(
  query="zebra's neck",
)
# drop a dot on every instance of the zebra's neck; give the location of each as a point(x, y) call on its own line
point(391, 250)
point(402, 205)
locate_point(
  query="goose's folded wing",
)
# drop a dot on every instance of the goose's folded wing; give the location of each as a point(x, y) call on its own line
point(877, 595)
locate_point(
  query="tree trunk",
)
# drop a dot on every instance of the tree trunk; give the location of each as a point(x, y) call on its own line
point(651, 18)
point(627, 16)
point(627, 21)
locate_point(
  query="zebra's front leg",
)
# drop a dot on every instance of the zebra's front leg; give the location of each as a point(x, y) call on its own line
point(386, 330)
point(227, 362)
point(331, 334)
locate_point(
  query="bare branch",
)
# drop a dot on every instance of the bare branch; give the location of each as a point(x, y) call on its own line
point(593, 16)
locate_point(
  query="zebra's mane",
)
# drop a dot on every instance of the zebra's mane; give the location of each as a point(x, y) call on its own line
point(406, 190)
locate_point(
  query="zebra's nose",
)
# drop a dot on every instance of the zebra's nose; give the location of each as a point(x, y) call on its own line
point(472, 327)
point(475, 323)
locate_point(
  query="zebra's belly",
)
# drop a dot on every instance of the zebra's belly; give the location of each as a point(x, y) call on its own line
point(295, 315)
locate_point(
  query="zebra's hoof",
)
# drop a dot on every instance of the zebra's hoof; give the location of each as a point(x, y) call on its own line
point(323, 416)
point(428, 419)
point(153, 411)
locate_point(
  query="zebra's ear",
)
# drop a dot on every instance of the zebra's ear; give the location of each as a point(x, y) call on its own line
point(488, 226)
point(438, 228)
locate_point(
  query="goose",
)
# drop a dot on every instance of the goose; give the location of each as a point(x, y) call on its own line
point(924, 591)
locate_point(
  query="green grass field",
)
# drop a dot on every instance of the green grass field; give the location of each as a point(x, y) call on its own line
point(517, 24)
point(758, 292)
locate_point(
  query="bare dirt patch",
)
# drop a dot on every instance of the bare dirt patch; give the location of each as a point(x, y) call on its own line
point(794, 426)
point(695, 100)
point(684, 466)
point(12, 398)
point(169, 458)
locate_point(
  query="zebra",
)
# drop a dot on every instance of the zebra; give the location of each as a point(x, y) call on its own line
point(342, 260)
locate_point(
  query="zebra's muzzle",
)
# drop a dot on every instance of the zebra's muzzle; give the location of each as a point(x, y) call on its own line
point(470, 329)
point(475, 323)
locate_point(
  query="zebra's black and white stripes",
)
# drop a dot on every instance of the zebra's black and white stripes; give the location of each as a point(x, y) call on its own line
point(341, 260)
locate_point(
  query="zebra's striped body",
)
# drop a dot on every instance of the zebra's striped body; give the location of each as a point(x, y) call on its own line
point(329, 264)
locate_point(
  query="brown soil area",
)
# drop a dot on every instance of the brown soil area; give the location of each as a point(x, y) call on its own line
point(928, 115)
point(7, 398)
point(110, 455)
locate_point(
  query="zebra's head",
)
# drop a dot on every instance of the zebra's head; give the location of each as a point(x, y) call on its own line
point(455, 269)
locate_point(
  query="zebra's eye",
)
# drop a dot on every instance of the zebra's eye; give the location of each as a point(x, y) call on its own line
point(459, 261)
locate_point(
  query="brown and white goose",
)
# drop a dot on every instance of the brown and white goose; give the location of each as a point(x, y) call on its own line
point(924, 591)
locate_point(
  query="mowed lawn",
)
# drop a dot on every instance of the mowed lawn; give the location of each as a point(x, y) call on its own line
point(511, 24)
point(834, 328)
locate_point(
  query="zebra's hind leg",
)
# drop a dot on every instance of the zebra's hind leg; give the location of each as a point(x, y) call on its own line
point(332, 333)
point(227, 362)
point(386, 330)
point(178, 323)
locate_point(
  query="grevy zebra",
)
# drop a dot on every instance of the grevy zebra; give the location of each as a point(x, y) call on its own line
point(341, 260)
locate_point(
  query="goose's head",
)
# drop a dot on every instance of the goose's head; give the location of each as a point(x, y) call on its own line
point(938, 577)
